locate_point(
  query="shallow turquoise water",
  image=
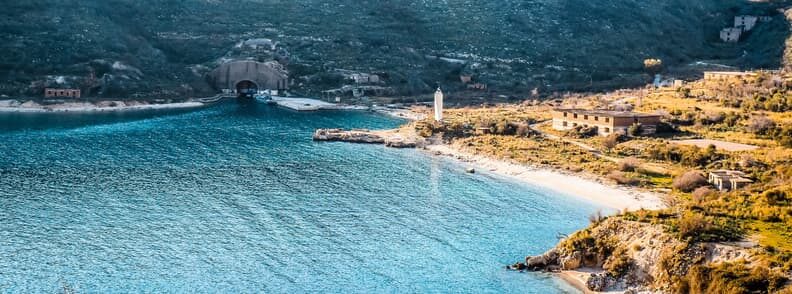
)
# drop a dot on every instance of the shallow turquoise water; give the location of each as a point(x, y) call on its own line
point(237, 198)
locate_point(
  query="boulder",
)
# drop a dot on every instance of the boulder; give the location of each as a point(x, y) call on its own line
point(517, 266)
point(572, 261)
point(541, 262)
point(600, 282)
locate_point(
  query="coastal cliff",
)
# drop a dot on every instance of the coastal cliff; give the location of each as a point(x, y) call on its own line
point(617, 254)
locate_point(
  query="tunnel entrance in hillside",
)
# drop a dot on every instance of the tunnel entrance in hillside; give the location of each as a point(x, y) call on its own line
point(247, 89)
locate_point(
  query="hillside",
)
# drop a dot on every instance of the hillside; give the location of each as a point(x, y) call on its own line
point(164, 48)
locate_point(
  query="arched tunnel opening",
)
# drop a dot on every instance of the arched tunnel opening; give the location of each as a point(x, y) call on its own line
point(246, 89)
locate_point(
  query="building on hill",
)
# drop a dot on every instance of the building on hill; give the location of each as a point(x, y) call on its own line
point(606, 121)
point(477, 86)
point(364, 78)
point(711, 76)
point(731, 35)
point(726, 180)
point(248, 77)
point(62, 93)
point(745, 22)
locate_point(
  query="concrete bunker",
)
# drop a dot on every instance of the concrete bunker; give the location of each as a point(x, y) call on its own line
point(246, 78)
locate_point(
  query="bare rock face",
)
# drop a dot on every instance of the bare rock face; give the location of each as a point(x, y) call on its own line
point(629, 256)
point(601, 282)
point(572, 261)
point(546, 261)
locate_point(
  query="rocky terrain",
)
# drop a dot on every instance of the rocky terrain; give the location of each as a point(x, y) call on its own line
point(390, 138)
point(621, 255)
point(147, 48)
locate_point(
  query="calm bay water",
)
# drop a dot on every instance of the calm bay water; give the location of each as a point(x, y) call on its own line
point(237, 198)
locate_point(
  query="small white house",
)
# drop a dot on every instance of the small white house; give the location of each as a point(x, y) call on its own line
point(731, 35)
point(726, 180)
point(745, 22)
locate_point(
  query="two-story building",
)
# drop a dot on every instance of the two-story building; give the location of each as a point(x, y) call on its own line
point(606, 121)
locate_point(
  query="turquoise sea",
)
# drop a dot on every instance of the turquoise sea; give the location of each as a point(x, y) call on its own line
point(237, 198)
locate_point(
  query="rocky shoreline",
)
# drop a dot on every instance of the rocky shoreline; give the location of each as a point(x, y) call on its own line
point(390, 138)
point(16, 106)
point(630, 256)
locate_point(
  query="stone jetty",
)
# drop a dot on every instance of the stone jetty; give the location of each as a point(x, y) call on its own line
point(388, 138)
point(352, 136)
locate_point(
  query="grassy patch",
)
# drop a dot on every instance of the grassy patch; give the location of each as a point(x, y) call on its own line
point(775, 235)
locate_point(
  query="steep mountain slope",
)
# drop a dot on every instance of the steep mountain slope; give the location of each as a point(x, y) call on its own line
point(163, 48)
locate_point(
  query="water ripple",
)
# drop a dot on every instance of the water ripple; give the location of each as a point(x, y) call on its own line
point(237, 198)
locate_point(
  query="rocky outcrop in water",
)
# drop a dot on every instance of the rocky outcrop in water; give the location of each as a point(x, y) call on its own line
point(389, 138)
point(352, 136)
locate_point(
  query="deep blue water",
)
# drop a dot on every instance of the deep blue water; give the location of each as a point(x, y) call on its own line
point(238, 198)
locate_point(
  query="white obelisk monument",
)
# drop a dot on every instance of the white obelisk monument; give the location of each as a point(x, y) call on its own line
point(438, 105)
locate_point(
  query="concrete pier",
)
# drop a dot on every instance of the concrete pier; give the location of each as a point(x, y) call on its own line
point(308, 104)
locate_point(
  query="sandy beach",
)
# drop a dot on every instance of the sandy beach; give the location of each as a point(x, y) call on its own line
point(577, 279)
point(575, 185)
point(105, 106)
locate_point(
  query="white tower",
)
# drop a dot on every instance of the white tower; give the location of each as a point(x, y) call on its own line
point(438, 105)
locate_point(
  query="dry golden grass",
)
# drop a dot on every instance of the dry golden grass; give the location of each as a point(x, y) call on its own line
point(513, 112)
point(536, 152)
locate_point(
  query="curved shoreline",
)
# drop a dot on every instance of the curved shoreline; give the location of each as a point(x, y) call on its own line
point(575, 185)
point(95, 108)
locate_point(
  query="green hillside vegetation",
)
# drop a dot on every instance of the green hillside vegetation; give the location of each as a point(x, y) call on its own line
point(513, 46)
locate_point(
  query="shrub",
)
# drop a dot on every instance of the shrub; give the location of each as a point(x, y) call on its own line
point(635, 130)
point(783, 135)
point(667, 128)
point(691, 225)
point(611, 141)
point(424, 129)
point(523, 131)
point(629, 164)
point(583, 132)
point(702, 194)
point(776, 196)
point(597, 217)
point(618, 263)
point(731, 278)
point(760, 125)
point(623, 179)
point(689, 181)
